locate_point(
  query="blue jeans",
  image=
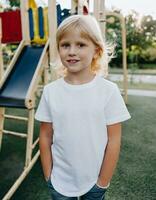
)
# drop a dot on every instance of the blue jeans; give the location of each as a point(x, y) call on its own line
point(95, 193)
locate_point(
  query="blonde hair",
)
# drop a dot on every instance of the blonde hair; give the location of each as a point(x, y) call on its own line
point(89, 29)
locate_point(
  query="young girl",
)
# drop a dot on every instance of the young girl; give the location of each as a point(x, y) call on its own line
point(80, 115)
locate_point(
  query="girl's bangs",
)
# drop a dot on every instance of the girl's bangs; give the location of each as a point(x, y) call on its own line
point(76, 27)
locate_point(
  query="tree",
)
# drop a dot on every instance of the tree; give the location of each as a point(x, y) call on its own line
point(141, 38)
point(113, 35)
point(148, 26)
point(15, 3)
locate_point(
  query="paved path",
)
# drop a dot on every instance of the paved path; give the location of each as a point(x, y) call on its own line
point(137, 79)
point(134, 78)
point(147, 93)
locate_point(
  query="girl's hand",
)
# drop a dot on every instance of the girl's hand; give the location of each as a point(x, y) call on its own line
point(47, 178)
point(102, 183)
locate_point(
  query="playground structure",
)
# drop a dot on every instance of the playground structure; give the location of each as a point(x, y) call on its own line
point(34, 58)
point(1, 60)
point(19, 82)
point(101, 15)
point(124, 55)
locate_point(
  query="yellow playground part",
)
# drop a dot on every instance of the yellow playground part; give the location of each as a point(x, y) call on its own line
point(35, 15)
point(36, 27)
point(32, 4)
point(46, 30)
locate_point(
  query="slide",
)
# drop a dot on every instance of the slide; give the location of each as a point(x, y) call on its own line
point(13, 91)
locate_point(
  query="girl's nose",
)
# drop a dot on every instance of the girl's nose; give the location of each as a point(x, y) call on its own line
point(72, 51)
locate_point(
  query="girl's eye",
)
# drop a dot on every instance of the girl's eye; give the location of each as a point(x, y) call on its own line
point(81, 45)
point(65, 45)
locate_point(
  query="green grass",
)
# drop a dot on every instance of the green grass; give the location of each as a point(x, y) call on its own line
point(135, 176)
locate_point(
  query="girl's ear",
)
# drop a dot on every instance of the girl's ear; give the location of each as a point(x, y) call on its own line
point(97, 52)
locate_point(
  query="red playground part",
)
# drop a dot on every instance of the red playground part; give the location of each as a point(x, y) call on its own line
point(11, 26)
point(85, 10)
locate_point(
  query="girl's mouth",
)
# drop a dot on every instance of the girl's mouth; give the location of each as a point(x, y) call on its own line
point(72, 61)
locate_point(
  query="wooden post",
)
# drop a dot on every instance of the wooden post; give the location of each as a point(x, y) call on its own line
point(124, 54)
point(103, 16)
point(77, 6)
point(74, 6)
point(25, 21)
point(46, 70)
point(2, 110)
point(96, 9)
point(100, 14)
point(29, 137)
point(1, 53)
point(52, 16)
point(80, 6)
point(124, 58)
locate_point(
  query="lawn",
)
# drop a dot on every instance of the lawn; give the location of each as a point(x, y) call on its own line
point(135, 176)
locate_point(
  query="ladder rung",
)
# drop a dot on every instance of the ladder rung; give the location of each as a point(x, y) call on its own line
point(16, 117)
point(23, 135)
point(35, 143)
point(40, 86)
point(102, 20)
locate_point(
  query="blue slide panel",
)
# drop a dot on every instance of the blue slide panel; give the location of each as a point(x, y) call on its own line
point(14, 90)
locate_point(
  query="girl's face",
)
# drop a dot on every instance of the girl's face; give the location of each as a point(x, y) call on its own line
point(76, 52)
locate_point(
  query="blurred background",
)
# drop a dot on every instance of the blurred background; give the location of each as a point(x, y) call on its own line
point(140, 19)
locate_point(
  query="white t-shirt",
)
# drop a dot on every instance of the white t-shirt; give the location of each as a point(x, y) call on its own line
point(80, 115)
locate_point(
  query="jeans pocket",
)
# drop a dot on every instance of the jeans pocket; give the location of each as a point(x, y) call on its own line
point(96, 193)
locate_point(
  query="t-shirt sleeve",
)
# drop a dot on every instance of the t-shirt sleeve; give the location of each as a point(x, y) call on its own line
point(115, 108)
point(43, 111)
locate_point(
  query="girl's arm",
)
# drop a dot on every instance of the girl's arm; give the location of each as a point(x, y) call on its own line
point(111, 154)
point(45, 141)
